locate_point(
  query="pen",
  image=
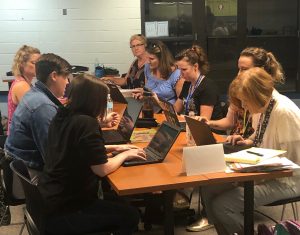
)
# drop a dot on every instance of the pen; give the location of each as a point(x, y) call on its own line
point(258, 154)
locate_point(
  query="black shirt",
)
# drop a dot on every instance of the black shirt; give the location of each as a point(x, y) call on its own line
point(75, 143)
point(136, 76)
point(205, 94)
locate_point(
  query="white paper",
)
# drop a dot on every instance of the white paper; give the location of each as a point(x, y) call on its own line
point(203, 159)
point(151, 29)
point(162, 28)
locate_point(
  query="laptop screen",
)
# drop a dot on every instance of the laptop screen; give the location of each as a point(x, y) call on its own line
point(129, 118)
point(163, 140)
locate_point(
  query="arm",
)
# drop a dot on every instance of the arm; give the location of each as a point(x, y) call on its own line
point(120, 81)
point(178, 86)
point(178, 106)
point(114, 163)
point(19, 90)
point(225, 123)
point(206, 111)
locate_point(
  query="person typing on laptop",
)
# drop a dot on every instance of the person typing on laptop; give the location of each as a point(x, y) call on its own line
point(76, 157)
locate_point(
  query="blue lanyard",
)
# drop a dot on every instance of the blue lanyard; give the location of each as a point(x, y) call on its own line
point(191, 92)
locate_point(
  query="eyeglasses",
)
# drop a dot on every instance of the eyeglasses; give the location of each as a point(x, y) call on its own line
point(137, 45)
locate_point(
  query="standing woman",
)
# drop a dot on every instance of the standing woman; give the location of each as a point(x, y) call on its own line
point(162, 75)
point(24, 71)
point(76, 157)
point(198, 89)
point(135, 76)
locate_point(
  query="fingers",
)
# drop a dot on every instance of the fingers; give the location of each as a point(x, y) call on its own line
point(235, 139)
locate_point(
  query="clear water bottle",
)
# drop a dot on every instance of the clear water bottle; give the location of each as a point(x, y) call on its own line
point(189, 138)
point(110, 104)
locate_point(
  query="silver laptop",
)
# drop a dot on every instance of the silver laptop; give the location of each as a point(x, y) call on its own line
point(159, 146)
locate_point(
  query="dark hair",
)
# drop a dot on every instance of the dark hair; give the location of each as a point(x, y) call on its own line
point(166, 59)
point(266, 60)
point(194, 55)
point(88, 95)
point(49, 63)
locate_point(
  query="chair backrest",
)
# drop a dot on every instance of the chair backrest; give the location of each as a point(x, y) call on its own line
point(34, 202)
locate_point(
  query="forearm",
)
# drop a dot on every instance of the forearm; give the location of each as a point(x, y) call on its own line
point(221, 124)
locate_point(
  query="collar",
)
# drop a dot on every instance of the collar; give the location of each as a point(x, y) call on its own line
point(41, 86)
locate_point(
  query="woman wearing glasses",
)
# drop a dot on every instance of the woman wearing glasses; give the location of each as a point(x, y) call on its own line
point(135, 76)
point(24, 71)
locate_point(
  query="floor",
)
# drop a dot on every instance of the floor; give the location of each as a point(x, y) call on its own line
point(17, 217)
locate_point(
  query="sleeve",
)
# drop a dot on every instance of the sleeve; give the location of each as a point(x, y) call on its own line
point(175, 77)
point(92, 141)
point(41, 120)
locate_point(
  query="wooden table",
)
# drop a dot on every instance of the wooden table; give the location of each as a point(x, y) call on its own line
point(167, 177)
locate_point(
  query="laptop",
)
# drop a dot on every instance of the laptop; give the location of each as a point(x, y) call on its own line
point(171, 114)
point(116, 94)
point(203, 135)
point(159, 146)
point(122, 134)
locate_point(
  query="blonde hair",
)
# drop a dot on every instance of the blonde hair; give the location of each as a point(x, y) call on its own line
point(22, 56)
point(256, 85)
point(266, 60)
point(140, 38)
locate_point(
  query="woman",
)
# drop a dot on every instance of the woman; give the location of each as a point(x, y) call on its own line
point(278, 128)
point(162, 76)
point(24, 71)
point(135, 76)
point(237, 119)
point(198, 89)
point(76, 157)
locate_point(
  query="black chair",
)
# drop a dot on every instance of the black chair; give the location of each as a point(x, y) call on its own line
point(34, 211)
point(7, 178)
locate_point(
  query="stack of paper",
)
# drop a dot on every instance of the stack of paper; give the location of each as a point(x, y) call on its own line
point(258, 160)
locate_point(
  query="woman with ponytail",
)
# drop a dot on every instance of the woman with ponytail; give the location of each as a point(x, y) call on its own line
point(24, 71)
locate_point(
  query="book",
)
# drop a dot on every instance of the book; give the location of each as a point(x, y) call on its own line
point(141, 136)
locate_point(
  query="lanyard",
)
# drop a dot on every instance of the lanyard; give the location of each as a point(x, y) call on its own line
point(191, 92)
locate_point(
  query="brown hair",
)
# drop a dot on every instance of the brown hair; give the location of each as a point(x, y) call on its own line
point(255, 84)
point(266, 60)
point(166, 60)
point(49, 63)
point(22, 56)
point(140, 38)
point(194, 55)
point(233, 93)
point(88, 95)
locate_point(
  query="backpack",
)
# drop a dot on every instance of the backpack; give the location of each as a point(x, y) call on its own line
point(288, 227)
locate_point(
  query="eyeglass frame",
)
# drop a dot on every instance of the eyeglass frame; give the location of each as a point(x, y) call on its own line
point(137, 45)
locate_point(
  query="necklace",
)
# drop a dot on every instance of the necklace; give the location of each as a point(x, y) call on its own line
point(263, 123)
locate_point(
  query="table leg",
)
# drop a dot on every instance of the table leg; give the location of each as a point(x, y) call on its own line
point(168, 212)
point(248, 207)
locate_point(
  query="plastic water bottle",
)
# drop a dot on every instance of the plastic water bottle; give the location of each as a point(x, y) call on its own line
point(189, 138)
point(110, 104)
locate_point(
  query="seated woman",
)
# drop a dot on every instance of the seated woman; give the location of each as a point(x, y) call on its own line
point(239, 121)
point(76, 157)
point(278, 128)
point(135, 76)
point(162, 76)
point(23, 70)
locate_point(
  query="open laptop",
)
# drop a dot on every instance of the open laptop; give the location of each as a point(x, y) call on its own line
point(122, 134)
point(159, 146)
point(171, 114)
point(203, 135)
point(116, 94)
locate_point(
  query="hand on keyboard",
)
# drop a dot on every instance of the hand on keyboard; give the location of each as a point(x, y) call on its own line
point(135, 154)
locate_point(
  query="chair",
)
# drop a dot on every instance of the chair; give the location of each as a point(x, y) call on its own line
point(6, 179)
point(34, 211)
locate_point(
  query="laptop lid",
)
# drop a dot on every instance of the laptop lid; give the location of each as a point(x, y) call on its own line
point(129, 118)
point(163, 140)
point(116, 94)
point(169, 112)
point(200, 131)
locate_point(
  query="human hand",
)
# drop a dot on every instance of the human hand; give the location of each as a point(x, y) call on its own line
point(202, 119)
point(137, 93)
point(137, 153)
point(124, 147)
point(238, 140)
point(110, 120)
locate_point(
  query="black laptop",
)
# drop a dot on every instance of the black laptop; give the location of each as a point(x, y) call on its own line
point(171, 114)
point(159, 146)
point(116, 94)
point(122, 134)
point(203, 135)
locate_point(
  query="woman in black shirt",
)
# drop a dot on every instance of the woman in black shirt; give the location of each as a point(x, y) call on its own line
point(76, 158)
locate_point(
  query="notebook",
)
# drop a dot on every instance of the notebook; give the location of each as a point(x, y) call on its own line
point(116, 94)
point(159, 146)
point(122, 134)
point(203, 135)
point(171, 114)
